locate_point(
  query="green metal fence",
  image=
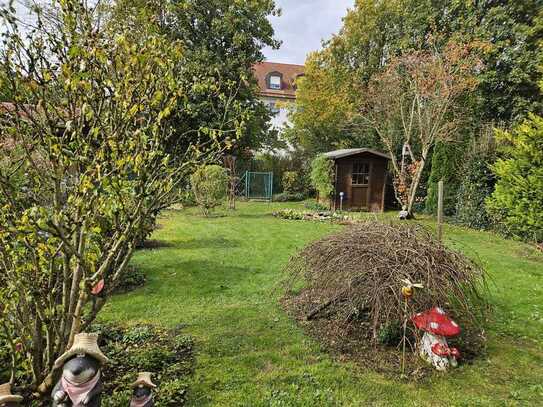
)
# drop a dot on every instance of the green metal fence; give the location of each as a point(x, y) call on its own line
point(257, 185)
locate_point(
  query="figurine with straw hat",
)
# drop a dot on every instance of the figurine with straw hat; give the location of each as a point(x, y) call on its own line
point(80, 384)
point(6, 398)
point(143, 394)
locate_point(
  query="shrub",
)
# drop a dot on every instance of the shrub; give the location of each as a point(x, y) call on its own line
point(294, 183)
point(132, 279)
point(477, 184)
point(166, 353)
point(289, 197)
point(316, 206)
point(322, 174)
point(209, 184)
point(517, 202)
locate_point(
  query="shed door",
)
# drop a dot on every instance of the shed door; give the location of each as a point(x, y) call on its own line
point(360, 184)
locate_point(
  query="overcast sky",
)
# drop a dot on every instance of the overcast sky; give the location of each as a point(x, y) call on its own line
point(302, 26)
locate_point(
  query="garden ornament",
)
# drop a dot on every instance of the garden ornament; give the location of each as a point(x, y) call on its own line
point(6, 398)
point(437, 326)
point(407, 293)
point(408, 288)
point(143, 391)
point(404, 214)
point(80, 384)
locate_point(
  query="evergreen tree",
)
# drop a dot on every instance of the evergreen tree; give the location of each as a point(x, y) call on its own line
point(516, 203)
point(446, 165)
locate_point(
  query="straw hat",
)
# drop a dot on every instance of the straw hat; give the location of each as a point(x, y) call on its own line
point(83, 344)
point(6, 396)
point(144, 379)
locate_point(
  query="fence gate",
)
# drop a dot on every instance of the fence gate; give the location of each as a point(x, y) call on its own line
point(257, 185)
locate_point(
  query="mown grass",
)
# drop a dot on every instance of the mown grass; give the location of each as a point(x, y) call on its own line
point(219, 276)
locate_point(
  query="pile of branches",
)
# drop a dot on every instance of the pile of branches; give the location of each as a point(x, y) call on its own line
point(356, 277)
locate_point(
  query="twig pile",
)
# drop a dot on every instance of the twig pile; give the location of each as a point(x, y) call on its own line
point(356, 276)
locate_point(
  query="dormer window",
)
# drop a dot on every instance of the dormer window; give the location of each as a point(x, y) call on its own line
point(274, 80)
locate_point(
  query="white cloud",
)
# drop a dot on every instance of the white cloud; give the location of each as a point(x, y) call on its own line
point(303, 25)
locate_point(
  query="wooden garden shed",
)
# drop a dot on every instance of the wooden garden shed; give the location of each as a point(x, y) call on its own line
point(361, 175)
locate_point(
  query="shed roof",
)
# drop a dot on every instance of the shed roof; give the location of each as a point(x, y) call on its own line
point(346, 152)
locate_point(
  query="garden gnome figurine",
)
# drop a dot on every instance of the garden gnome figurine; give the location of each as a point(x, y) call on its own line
point(80, 384)
point(6, 398)
point(143, 391)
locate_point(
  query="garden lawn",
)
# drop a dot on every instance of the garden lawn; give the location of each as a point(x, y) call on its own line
point(219, 277)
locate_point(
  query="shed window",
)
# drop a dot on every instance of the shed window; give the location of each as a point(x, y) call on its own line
point(361, 173)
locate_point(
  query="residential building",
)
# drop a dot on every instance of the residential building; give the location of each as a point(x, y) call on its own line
point(277, 84)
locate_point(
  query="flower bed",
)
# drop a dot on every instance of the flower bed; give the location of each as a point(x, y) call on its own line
point(319, 216)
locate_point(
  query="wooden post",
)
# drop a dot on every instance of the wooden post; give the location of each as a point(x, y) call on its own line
point(440, 210)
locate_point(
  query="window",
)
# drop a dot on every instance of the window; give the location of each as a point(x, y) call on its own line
point(361, 173)
point(273, 107)
point(275, 82)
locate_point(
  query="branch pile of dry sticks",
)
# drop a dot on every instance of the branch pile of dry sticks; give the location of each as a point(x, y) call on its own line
point(356, 276)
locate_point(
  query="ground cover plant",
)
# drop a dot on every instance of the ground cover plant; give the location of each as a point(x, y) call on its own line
point(325, 215)
point(353, 280)
point(249, 352)
point(167, 353)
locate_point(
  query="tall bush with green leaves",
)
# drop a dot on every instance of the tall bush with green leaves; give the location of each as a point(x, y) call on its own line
point(209, 184)
point(517, 202)
point(294, 182)
point(322, 176)
point(477, 182)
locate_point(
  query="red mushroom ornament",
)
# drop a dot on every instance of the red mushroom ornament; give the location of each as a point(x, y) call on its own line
point(437, 326)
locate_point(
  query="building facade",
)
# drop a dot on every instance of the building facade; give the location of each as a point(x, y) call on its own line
point(277, 83)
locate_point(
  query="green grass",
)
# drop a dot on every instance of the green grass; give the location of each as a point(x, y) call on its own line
point(219, 277)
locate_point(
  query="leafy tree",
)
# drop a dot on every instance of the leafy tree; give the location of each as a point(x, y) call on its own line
point(223, 40)
point(322, 175)
point(209, 186)
point(517, 200)
point(88, 159)
point(509, 81)
point(415, 103)
point(374, 32)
